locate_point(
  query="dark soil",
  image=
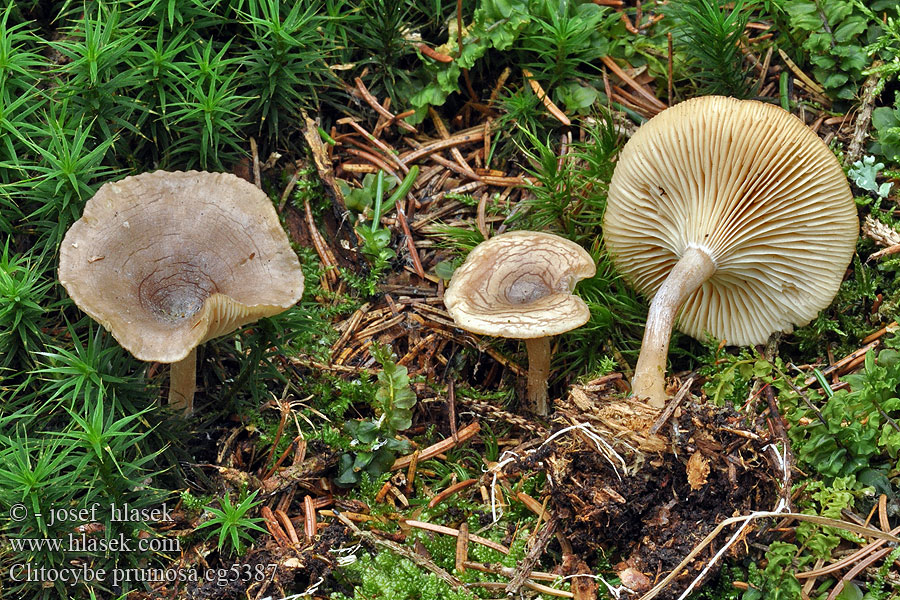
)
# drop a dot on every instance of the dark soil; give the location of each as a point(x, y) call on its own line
point(651, 515)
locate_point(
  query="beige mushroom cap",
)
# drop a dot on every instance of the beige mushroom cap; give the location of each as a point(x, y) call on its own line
point(168, 260)
point(753, 187)
point(519, 285)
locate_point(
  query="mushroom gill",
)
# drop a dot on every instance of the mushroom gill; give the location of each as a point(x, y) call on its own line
point(734, 217)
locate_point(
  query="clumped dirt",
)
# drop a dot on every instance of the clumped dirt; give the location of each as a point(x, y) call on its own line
point(275, 569)
point(707, 464)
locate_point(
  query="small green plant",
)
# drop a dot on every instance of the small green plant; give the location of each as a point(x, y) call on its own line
point(70, 167)
point(385, 574)
point(878, 589)
point(522, 117)
point(164, 61)
point(80, 369)
point(210, 112)
point(95, 460)
point(383, 31)
point(285, 64)
point(776, 581)
point(564, 41)
point(232, 523)
point(19, 64)
point(107, 440)
point(835, 33)
point(570, 195)
point(367, 202)
point(388, 575)
point(887, 45)
point(374, 442)
point(559, 40)
point(828, 500)
point(855, 431)
point(36, 474)
point(730, 375)
point(192, 502)
point(864, 174)
point(100, 70)
point(813, 542)
point(23, 296)
point(886, 120)
point(708, 32)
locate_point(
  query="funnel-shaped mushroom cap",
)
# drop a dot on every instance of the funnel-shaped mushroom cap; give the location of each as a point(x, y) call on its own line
point(755, 189)
point(166, 261)
point(519, 285)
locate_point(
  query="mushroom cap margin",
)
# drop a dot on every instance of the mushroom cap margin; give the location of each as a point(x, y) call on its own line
point(519, 285)
point(753, 186)
point(208, 246)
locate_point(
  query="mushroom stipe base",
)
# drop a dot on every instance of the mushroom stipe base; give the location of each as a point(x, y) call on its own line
point(693, 268)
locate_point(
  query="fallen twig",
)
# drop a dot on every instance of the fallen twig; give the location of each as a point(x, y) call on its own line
point(433, 54)
point(870, 90)
point(373, 102)
point(545, 99)
point(458, 140)
point(274, 527)
point(534, 553)
point(254, 152)
point(671, 406)
point(462, 547)
point(651, 99)
point(814, 88)
point(321, 247)
point(456, 487)
point(439, 448)
point(309, 522)
point(889, 328)
point(455, 532)
point(847, 361)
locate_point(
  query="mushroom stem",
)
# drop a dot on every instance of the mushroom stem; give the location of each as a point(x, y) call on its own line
point(183, 382)
point(538, 372)
point(693, 268)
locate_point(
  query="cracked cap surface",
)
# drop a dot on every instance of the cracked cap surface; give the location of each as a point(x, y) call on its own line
point(519, 285)
point(168, 260)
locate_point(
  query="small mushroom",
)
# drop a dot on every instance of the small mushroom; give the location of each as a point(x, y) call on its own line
point(519, 285)
point(186, 257)
point(734, 213)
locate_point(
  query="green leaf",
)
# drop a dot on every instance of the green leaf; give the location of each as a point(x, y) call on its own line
point(849, 29)
point(836, 80)
point(347, 476)
point(381, 462)
point(851, 591)
point(577, 97)
point(445, 269)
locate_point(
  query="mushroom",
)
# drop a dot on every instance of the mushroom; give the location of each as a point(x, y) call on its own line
point(519, 285)
point(734, 213)
point(168, 260)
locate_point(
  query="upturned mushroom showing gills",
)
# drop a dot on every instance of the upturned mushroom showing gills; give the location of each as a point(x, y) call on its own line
point(519, 285)
point(168, 260)
point(733, 216)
